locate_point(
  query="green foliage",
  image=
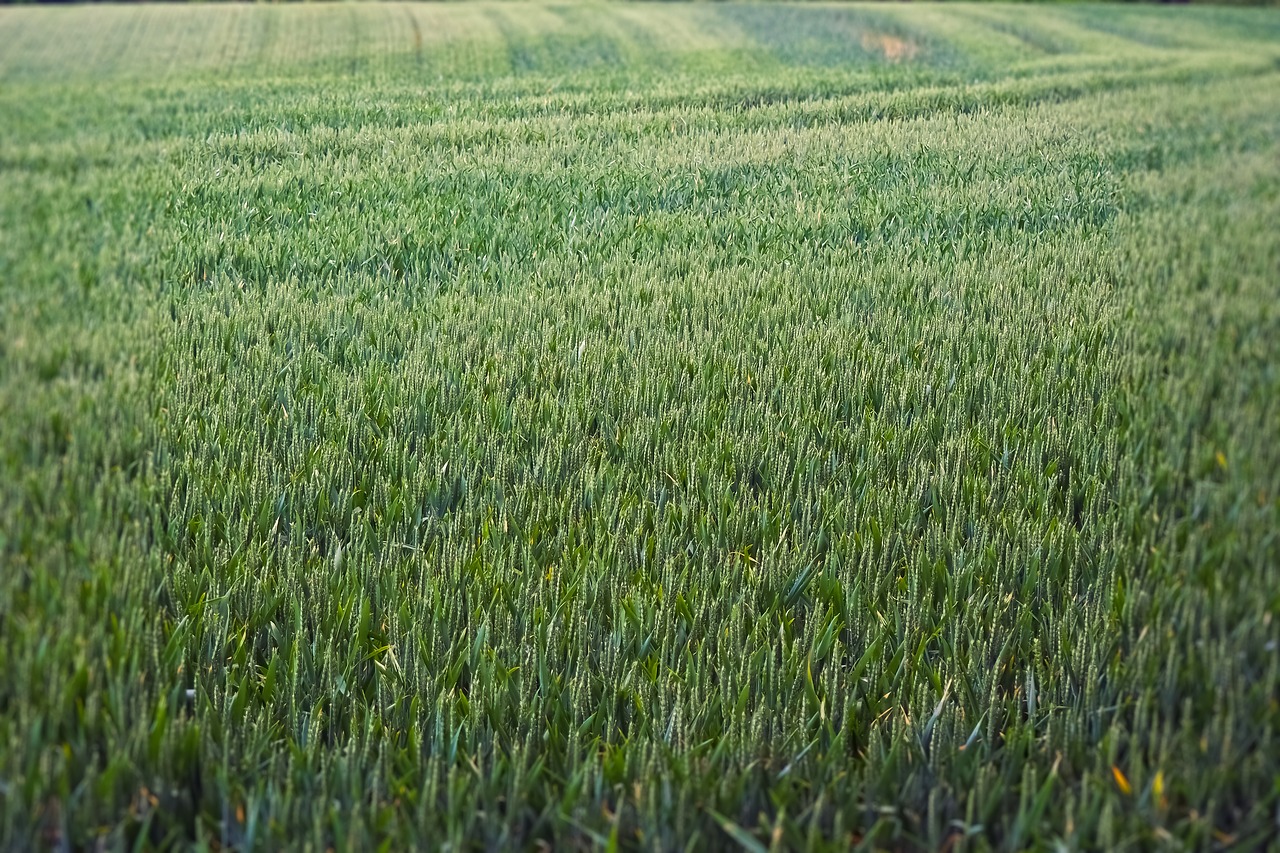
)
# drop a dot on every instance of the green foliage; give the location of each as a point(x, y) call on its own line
point(639, 427)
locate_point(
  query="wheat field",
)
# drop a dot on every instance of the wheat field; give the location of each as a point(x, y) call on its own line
point(639, 426)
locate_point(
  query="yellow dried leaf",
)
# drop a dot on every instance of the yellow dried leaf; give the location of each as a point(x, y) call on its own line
point(1121, 782)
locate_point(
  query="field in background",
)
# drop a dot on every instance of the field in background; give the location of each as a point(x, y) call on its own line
point(658, 425)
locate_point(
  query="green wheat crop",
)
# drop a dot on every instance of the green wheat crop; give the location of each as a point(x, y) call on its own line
point(639, 426)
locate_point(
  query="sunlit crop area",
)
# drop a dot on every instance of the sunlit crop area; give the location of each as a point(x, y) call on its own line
point(639, 427)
